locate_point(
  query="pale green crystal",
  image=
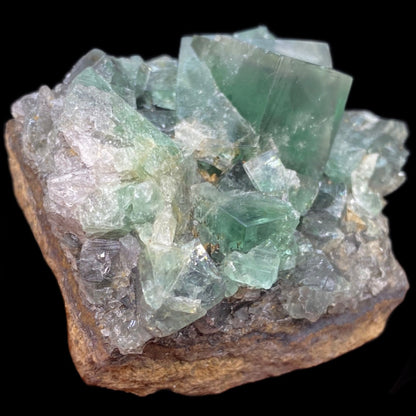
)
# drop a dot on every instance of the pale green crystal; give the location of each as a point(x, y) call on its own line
point(128, 148)
point(257, 268)
point(125, 142)
point(296, 104)
point(126, 77)
point(367, 199)
point(140, 202)
point(362, 133)
point(209, 124)
point(162, 81)
point(181, 286)
point(164, 227)
point(173, 183)
point(305, 50)
point(241, 221)
point(269, 175)
point(368, 156)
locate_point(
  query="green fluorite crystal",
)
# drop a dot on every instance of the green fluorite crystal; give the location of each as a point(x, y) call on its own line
point(295, 104)
point(241, 221)
point(258, 267)
point(171, 183)
point(269, 176)
point(309, 51)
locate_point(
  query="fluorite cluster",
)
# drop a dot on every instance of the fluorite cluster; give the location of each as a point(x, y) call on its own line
point(174, 184)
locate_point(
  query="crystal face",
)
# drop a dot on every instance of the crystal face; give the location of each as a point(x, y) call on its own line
point(172, 183)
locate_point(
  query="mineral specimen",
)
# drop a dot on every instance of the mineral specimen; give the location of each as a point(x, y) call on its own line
point(226, 196)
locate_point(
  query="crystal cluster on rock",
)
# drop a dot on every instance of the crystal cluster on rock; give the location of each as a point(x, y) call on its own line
point(172, 184)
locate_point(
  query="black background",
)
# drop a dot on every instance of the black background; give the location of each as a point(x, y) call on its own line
point(39, 45)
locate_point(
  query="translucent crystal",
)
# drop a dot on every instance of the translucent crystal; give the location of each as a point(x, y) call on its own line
point(360, 178)
point(162, 81)
point(257, 268)
point(362, 133)
point(240, 221)
point(97, 259)
point(125, 76)
point(182, 285)
point(296, 104)
point(305, 50)
point(331, 197)
point(208, 122)
point(164, 227)
point(318, 285)
point(235, 178)
point(268, 175)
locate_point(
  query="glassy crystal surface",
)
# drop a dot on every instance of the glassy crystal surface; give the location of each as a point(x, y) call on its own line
point(305, 50)
point(172, 183)
point(295, 104)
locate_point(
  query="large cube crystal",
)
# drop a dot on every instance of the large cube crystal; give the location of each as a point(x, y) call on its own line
point(296, 104)
point(244, 221)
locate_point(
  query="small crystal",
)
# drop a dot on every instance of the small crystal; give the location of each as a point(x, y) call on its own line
point(257, 268)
